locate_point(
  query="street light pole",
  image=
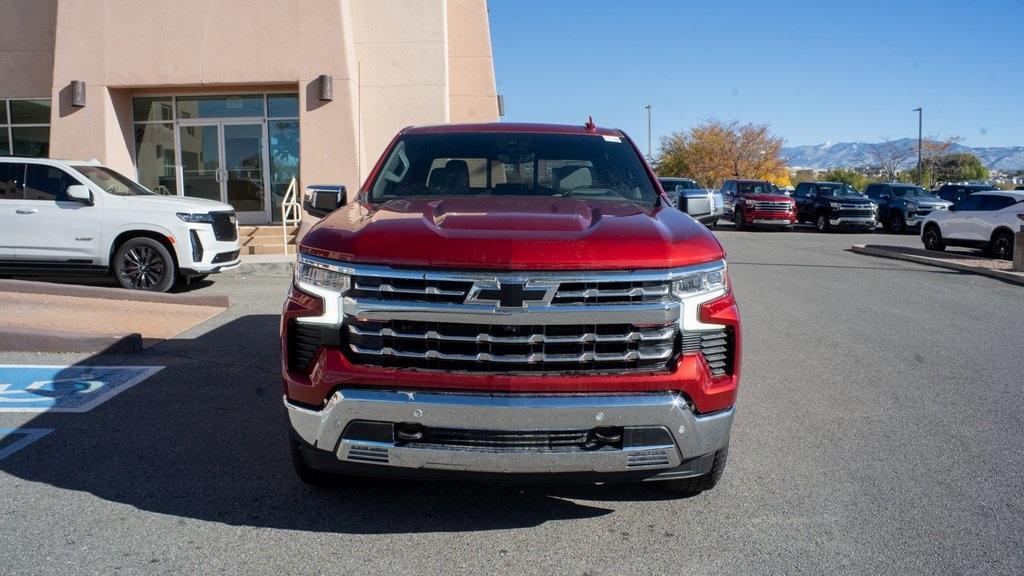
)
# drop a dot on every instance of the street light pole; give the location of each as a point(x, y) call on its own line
point(920, 113)
point(649, 157)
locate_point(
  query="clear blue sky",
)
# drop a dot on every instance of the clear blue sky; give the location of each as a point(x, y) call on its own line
point(815, 71)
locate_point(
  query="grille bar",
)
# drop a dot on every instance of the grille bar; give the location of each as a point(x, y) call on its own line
point(532, 358)
point(425, 291)
point(772, 206)
point(654, 335)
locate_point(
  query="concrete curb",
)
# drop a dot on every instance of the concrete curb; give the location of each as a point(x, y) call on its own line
point(20, 340)
point(31, 287)
point(898, 255)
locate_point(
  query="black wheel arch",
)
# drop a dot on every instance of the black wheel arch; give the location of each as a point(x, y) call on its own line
point(1001, 230)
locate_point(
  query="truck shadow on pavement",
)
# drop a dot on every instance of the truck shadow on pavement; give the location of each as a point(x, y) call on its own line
point(205, 438)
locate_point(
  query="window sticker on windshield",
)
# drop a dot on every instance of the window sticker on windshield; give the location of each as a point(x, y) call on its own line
point(613, 139)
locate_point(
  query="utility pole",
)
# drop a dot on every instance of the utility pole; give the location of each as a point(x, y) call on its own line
point(920, 113)
point(649, 157)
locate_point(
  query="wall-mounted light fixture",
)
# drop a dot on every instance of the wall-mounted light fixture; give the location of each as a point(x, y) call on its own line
point(326, 88)
point(501, 105)
point(78, 93)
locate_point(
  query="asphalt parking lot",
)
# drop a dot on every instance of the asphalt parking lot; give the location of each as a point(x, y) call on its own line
point(880, 428)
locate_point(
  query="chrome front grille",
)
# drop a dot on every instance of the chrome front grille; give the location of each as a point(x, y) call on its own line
point(771, 206)
point(455, 288)
point(503, 348)
point(610, 292)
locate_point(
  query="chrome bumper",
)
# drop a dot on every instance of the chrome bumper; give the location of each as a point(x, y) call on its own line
point(692, 436)
point(853, 221)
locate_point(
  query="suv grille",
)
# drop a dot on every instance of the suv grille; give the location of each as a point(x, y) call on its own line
point(410, 289)
point(223, 228)
point(501, 348)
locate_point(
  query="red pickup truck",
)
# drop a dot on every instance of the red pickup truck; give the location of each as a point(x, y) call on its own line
point(511, 301)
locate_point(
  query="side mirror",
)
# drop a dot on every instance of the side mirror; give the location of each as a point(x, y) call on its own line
point(322, 199)
point(80, 193)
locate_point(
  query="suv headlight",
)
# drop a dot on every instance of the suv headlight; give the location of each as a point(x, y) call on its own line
point(912, 206)
point(834, 205)
point(319, 274)
point(699, 282)
point(196, 218)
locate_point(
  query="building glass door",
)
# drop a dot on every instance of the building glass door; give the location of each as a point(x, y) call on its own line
point(224, 161)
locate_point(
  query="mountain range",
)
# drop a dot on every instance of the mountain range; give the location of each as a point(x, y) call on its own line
point(854, 154)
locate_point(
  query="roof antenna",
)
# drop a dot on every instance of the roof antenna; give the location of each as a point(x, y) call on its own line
point(590, 126)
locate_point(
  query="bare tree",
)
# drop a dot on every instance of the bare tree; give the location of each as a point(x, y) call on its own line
point(933, 150)
point(890, 155)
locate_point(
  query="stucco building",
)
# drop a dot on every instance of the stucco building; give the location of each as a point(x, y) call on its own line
point(229, 99)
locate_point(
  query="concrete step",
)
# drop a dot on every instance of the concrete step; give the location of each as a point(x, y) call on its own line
point(264, 240)
point(267, 249)
point(267, 230)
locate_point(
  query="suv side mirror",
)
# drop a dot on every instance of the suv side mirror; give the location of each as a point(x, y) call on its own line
point(322, 199)
point(80, 193)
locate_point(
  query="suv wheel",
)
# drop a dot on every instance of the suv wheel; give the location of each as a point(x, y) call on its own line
point(896, 223)
point(1002, 245)
point(821, 223)
point(144, 264)
point(694, 486)
point(932, 239)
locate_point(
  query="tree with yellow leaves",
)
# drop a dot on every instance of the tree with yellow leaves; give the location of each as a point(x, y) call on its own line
point(716, 150)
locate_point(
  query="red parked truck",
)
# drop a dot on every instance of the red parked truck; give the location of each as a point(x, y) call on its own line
point(758, 203)
point(511, 301)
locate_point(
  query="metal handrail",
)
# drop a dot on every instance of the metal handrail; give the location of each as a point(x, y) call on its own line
point(291, 210)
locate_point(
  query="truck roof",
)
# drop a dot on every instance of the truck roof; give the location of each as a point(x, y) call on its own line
point(524, 127)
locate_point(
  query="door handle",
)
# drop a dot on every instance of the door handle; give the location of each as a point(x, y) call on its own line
point(26, 210)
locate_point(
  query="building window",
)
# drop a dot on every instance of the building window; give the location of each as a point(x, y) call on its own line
point(154, 144)
point(25, 127)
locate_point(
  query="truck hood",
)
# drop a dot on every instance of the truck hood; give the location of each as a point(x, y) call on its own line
point(512, 233)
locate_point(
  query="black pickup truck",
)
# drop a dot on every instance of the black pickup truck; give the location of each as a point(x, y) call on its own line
point(834, 205)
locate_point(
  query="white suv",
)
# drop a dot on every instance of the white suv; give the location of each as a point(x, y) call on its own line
point(81, 217)
point(985, 220)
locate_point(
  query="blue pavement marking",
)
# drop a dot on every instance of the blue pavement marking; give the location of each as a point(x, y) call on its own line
point(26, 388)
point(27, 436)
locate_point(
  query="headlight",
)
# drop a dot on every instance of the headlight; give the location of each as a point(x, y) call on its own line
point(321, 275)
point(912, 206)
point(698, 282)
point(834, 205)
point(196, 218)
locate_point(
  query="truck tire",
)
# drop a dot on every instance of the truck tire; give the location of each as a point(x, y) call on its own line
point(821, 222)
point(143, 263)
point(698, 484)
point(737, 218)
point(896, 223)
point(305, 472)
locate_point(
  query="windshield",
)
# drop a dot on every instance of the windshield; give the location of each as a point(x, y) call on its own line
point(746, 188)
point(112, 182)
point(910, 192)
point(837, 191)
point(506, 164)
point(670, 185)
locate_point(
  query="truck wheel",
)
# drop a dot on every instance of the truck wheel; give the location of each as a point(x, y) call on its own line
point(144, 264)
point(896, 223)
point(821, 223)
point(305, 472)
point(932, 239)
point(694, 486)
point(741, 223)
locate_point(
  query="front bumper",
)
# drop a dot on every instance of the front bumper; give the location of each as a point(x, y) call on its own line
point(683, 445)
point(854, 221)
point(199, 251)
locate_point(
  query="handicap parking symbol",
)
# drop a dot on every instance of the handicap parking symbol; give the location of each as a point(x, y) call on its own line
point(65, 388)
